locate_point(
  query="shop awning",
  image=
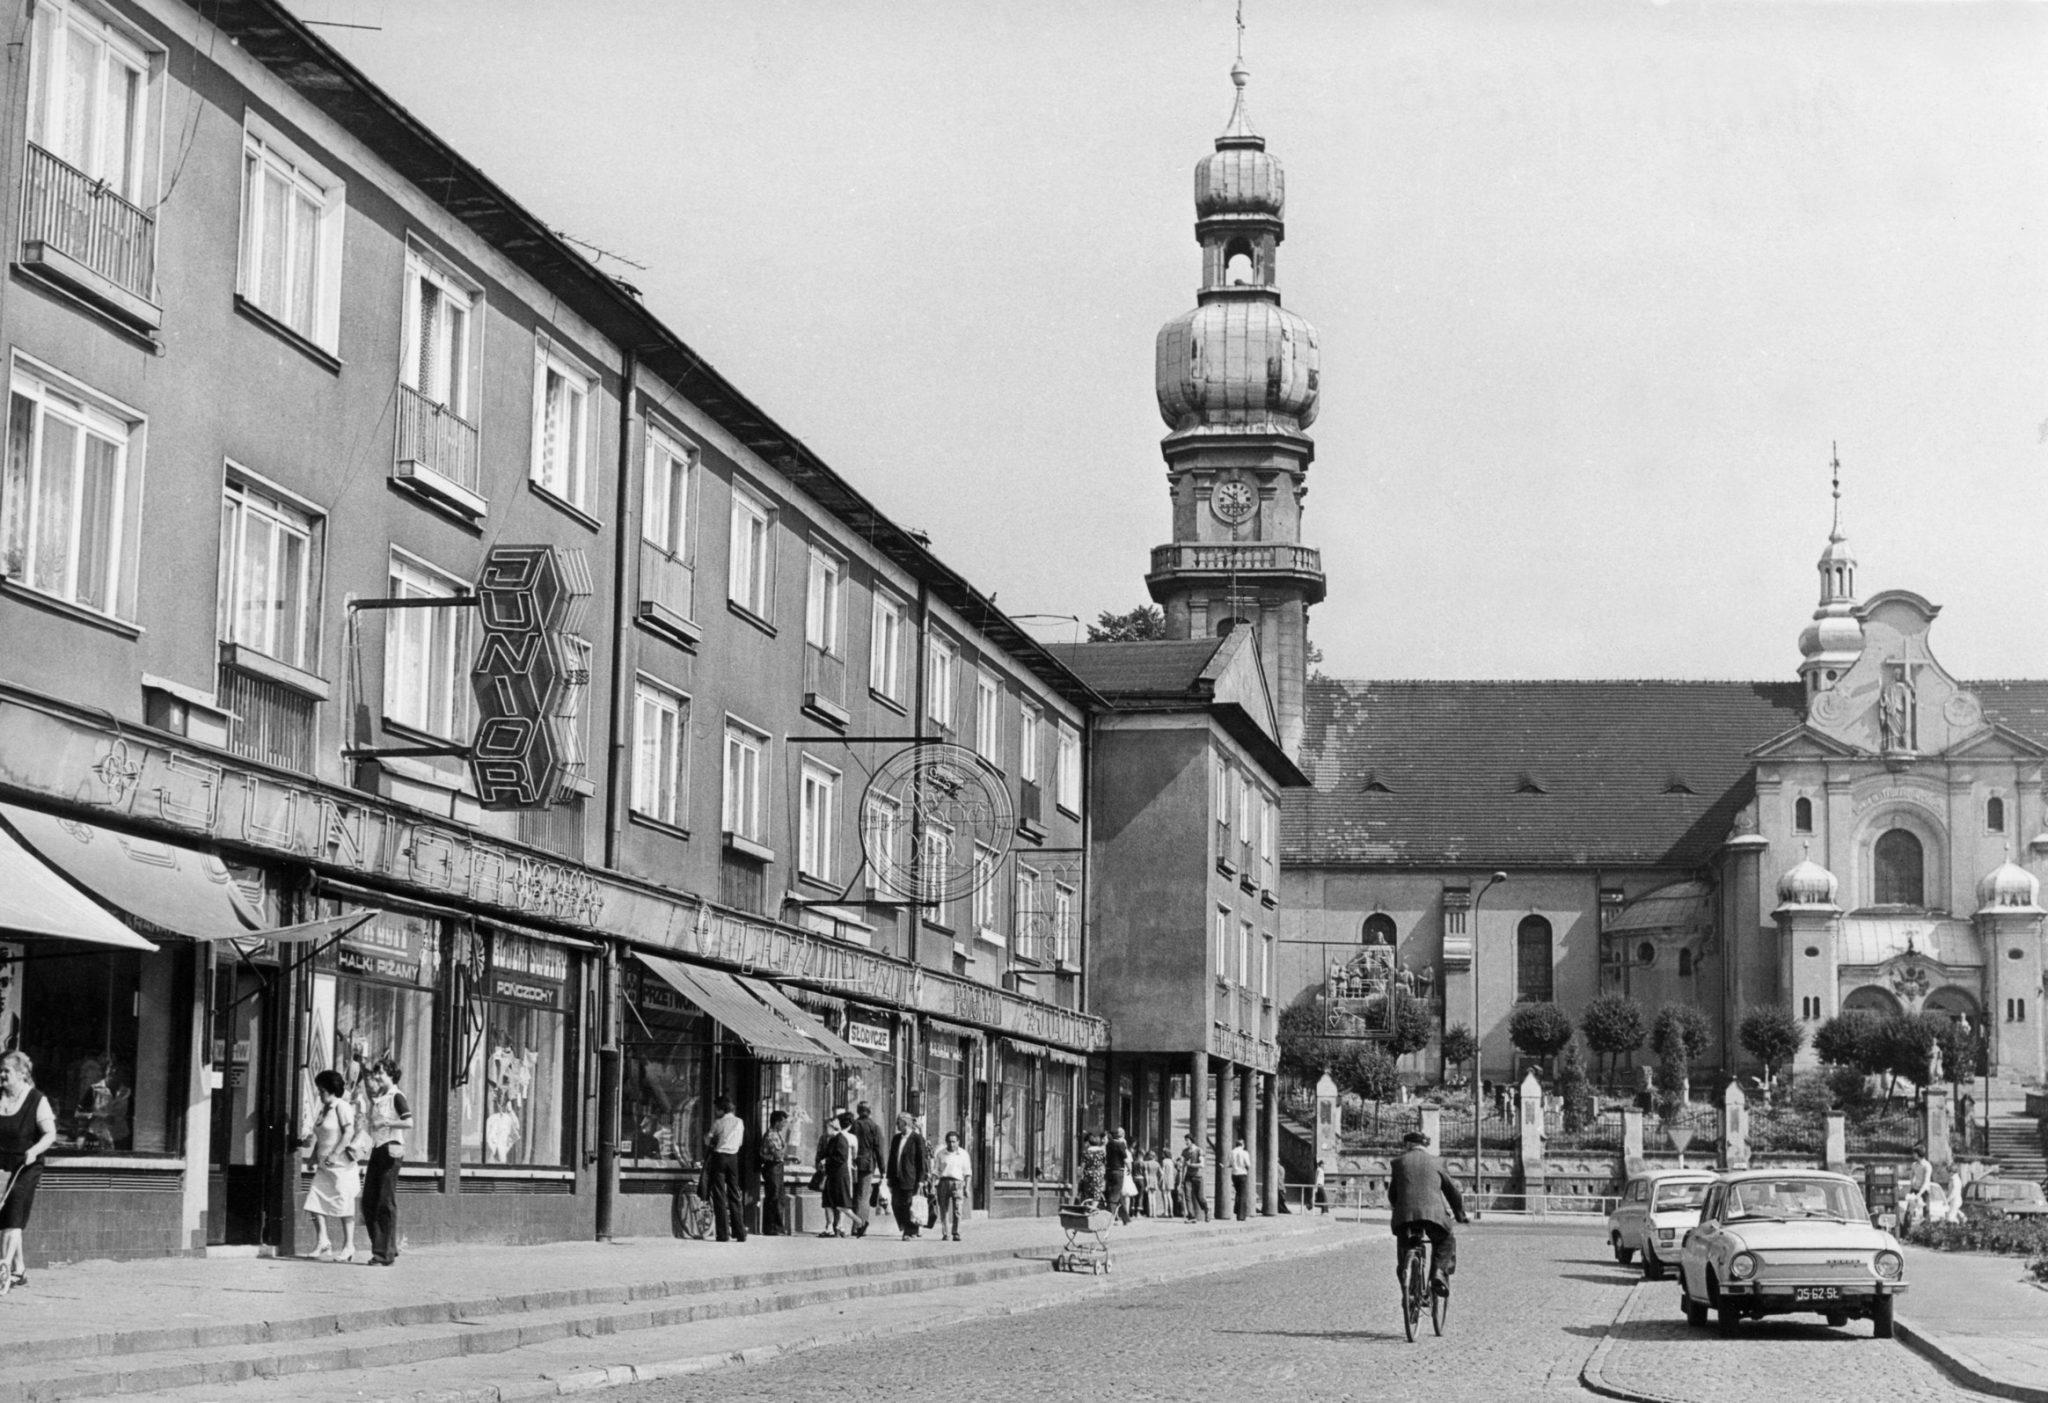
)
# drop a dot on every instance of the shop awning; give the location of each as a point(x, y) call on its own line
point(36, 901)
point(744, 1016)
point(163, 886)
point(805, 1022)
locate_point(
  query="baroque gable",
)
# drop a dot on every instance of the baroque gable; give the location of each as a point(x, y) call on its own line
point(1897, 700)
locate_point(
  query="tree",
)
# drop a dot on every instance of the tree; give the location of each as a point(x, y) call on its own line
point(1613, 1025)
point(1306, 1051)
point(1408, 1027)
point(1364, 1069)
point(1680, 1035)
point(1539, 1030)
point(1846, 1040)
point(1459, 1045)
point(1772, 1036)
point(1140, 625)
point(1574, 1088)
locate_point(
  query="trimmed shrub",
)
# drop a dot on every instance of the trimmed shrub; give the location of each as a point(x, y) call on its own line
point(1772, 1036)
point(1614, 1027)
point(1539, 1030)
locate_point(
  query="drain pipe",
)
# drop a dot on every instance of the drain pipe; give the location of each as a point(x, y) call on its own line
point(615, 797)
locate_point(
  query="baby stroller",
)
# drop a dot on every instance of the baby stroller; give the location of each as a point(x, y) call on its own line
point(1087, 1225)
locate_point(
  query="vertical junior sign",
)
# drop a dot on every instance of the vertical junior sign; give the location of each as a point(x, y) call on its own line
point(530, 676)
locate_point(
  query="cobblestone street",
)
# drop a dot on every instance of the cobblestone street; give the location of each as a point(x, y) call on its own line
point(1531, 1307)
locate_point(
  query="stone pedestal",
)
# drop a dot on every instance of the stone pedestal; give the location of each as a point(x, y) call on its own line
point(1632, 1141)
point(1934, 1128)
point(1329, 1125)
point(1835, 1147)
point(1433, 1126)
point(1533, 1174)
point(1734, 1128)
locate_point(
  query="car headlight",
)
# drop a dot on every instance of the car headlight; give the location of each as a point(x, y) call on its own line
point(1741, 1267)
point(1889, 1265)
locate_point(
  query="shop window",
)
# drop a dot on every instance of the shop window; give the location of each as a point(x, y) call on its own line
point(807, 1094)
point(373, 997)
point(518, 1086)
point(665, 1059)
point(104, 1028)
point(1013, 1119)
point(1056, 1125)
point(1533, 961)
point(945, 1088)
point(1899, 862)
point(876, 1082)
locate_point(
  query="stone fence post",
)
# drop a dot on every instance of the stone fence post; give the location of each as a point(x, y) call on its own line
point(1533, 1172)
point(1433, 1126)
point(1734, 1128)
point(1329, 1127)
point(1835, 1150)
point(1632, 1141)
point(1934, 1128)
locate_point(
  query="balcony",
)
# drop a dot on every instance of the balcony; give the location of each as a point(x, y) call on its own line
point(825, 685)
point(668, 590)
point(272, 723)
point(76, 230)
point(437, 454)
point(1249, 559)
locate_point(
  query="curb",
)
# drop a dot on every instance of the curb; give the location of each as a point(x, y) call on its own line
point(1949, 1360)
point(1593, 1376)
point(613, 1376)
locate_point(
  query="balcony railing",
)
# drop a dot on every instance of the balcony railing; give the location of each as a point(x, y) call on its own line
point(824, 678)
point(67, 210)
point(437, 446)
point(1244, 558)
point(666, 582)
point(272, 723)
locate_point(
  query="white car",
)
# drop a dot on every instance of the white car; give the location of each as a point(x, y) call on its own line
point(1652, 1214)
point(1788, 1241)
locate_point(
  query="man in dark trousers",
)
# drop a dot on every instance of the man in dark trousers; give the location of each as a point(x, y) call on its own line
point(1424, 1200)
point(722, 1164)
point(907, 1166)
point(867, 1165)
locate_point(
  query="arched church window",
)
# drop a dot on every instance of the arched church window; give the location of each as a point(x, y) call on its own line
point(1533, 981)
point(1994, 814)
point(1379, 929)
point(1239, 267)
point(1900, 868)
point(1802, 815)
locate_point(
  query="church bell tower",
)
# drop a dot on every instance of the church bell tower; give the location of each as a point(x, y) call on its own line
point(1237, 385)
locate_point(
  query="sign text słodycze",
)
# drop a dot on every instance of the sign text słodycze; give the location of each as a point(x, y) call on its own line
point(529, 679)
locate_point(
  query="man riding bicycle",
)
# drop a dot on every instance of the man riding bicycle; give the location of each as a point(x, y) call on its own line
point(1424, 1200)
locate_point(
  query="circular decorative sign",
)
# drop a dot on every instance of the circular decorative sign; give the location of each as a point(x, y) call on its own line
point(936, 823)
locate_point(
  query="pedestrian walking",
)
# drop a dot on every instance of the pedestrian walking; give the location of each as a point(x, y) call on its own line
point(832, 1171)
point(722, 1166)
point(951, 1169)
point(774, 1162)
point(1194, 1195)
point(908, 1162)
point(867, 1166)
point(330, 1143)
point(1241, 1181)
point(1322, 1193)
point(1091, 1187)
point(390, 1116)
point(1116, 1173)
point(28, 1127)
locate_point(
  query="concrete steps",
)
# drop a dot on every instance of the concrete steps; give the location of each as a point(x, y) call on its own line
point(211, 1358)
point(2016, 1148)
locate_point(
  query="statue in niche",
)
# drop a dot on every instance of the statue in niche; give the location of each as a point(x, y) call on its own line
point(1898, 714)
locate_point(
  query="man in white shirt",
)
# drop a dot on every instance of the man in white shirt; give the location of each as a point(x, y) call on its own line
point(728, 1209)
point(1241, 1180)
point(951, 1169)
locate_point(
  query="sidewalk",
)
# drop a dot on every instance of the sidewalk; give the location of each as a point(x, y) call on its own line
point(1982, 1318)
point(100, 1328)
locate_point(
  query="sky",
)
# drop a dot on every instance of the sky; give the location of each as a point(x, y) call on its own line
point(1596, 285)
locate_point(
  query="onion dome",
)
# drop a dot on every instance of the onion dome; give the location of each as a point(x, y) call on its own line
point(1830, 645)
point(1237, 362)
point(1241, 176)
point(1808, 884)
point(2008, 886)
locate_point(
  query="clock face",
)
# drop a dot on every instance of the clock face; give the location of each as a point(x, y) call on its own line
point(1233, 501)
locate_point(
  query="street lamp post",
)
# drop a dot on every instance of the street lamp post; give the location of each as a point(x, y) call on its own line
point(1478, 1044)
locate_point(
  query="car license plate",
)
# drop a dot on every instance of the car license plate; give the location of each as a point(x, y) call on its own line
point(1816, 1293)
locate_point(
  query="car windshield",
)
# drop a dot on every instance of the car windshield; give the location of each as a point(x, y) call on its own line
point(1671, 1197)
point(1794, 1198)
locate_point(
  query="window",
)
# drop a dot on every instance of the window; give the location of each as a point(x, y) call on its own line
point(1266, 967)
point(1245, 833)
point(1244, 955)
point(1802, 815)
point(1223, 942)
point(1899, 865)
point(102, 1027)
point(1533, 980)
point(817, 813)
point(941, 678)
point(937, 857)
point(87, 104)
point(986, 861)
point(436, 353)
point(752, 567)
point(269, 577)
point(292, 218)
point(1994, 814)
point(1030, 737)
point(1029, 934)
point(375, 989)
point(745, 748)
point(1219, 804)
point(823, 600)
point(665, 512)
point(2015, 1010)
point(70, 489)
point(513, 1100)
point(1269, 823)
point(661, 748)
point(1063, 933)
point(885, 648)
point(1069, 795)
point(665, 1046)
point(882, 835)
point(427, 654)
point(561, 425)
point(988, 719)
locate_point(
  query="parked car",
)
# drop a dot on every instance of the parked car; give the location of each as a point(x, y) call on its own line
point(1988, 1199)
point(1789, 1241)
point(1653, 1212)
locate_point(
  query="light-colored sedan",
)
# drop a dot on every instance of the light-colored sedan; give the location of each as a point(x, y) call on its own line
point(1653, 1212)
point(1789, 1241)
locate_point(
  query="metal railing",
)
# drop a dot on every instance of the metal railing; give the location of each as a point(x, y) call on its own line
point(824, 675)
point(666, 581)
point(271, 722)
point(84, 219)
point(1242, 558)
point(436, 439)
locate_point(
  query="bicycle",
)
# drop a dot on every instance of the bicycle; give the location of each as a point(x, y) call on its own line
point(1415, 1284)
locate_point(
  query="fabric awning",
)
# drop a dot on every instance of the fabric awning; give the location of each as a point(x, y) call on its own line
point(36, 901)
point(805, 1022)
point(744, 1016)
point(163, 887)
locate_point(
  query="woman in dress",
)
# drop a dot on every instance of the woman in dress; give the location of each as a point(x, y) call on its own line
point(835, 1165)
point(28, 1127)
point(332, 1155)
point(1092, 1186)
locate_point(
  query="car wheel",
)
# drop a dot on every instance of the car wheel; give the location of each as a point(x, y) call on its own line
point(1695, 1311)
point(1725, 1316)
point(1653, 1265)
point(1881, 1317)
point(1836, 1319)
point(1622, 1254)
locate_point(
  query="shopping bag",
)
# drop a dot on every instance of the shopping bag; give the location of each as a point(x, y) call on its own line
point(818, 1179)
